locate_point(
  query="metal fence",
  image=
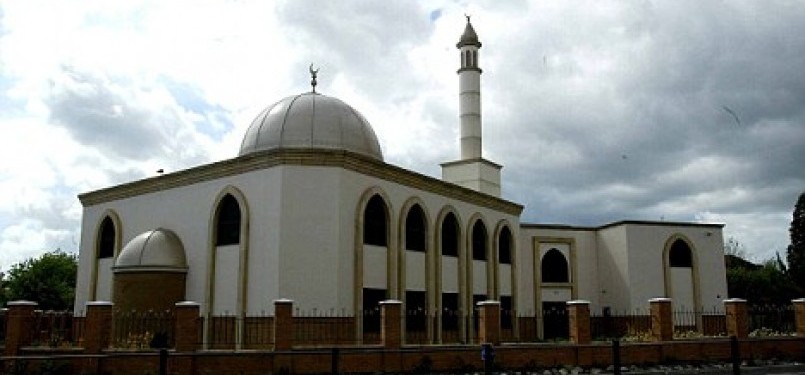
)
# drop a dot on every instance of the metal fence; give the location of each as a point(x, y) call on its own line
point(3, 317)
point(617, 325)
point(325, 328)
point(142, 329)
point(766, 320)
point(56, 329)
point(693, 323)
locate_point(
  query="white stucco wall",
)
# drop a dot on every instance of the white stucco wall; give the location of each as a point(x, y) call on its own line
point(187, 211)
point(415, 270)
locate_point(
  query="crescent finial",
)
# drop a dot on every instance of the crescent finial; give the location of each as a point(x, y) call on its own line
point(313, 74)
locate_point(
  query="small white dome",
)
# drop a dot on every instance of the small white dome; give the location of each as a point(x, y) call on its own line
point(311, 120)
point(158, 249)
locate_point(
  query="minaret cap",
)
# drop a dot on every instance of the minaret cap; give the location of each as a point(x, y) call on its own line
point(469, 37)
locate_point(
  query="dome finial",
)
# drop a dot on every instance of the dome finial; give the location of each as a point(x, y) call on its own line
point(468, 17)
point(313, 73)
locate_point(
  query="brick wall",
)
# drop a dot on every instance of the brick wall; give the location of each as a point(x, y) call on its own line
point(408, 359)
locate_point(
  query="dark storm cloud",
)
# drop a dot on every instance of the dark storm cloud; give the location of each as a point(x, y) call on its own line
point(653, 131)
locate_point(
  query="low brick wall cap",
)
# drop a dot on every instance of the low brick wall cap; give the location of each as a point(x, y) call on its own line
point(188, 304)
point(798, 300)
point(578, 302)
point(99, 303)
point(660, 299)
point(734, 300)
point(22, 303)
point(488, 302)
point(391, 302)
point(283, 301)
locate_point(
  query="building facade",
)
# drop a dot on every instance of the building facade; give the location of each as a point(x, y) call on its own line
point(309, 211)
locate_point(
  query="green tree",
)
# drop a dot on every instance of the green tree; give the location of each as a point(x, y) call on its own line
point(796, 250)
point(48, 280)
point(3, 298)
point(760, 284)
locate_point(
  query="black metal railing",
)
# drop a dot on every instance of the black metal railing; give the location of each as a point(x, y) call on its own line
point(610, 325)
point(769, 320)
point(326, 328)
point(56, 329)
point(142, 329)
point(3, 317)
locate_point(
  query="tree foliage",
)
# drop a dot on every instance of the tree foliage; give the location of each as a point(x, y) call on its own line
point(764, 284)
point(48, 280)
point(796, 250)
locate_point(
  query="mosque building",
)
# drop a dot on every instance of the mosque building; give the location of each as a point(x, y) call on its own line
point(310, 211)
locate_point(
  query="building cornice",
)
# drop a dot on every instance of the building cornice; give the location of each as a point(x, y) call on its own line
point(472, 161)
point(620, 223)
point(310, 157)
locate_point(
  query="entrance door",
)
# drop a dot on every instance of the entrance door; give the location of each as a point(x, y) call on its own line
point(555, 324)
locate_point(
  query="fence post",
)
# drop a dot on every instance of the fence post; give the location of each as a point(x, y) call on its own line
point(186, 332)
point(489, 324)
point(391, 326)
point(799, 315)
point(735, 355)
point(737, 317)
point(283, 324)
point(616, 357)
point(19, 326)
point(98, 326)
point(662, 319)
point(579, 321)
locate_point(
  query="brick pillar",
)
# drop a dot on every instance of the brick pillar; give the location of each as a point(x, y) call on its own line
point(737, 317)
point(799, 315)
point(98, 326)
point(489, 322)
point(283, 324)
point(188, 321)
point(662, 319)
point(391, 324)
point(579, 320)
point(19, 325)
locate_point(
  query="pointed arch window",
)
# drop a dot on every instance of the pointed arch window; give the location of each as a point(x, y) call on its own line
point(415, 229)
point(375, 222)
point(505, 247)
point(680, 254)
point(450, 236)
point(554, 267)
point(106, 239)
point(479, 241)
point(227, 225)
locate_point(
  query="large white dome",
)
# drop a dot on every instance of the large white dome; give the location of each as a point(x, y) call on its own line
point(311, 120)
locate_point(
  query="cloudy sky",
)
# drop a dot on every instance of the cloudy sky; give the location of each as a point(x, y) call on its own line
point(599, 111)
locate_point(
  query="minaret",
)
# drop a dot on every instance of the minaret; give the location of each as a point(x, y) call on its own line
point(469, 93)
point(471, 170)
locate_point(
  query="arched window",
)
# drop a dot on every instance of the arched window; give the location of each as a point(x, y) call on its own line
point(415, 229)
point(228, 222)
point(468, 58)
point(474, 59)
point(479, 241)
point(504, 246)
point(680, 255)
point(554, 267)
point(374, 222)
point(450, 236)
point(106, 239)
